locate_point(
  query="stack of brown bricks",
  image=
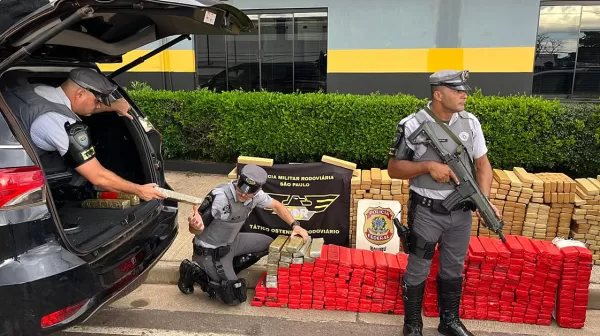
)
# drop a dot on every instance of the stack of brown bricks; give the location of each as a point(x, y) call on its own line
point(376, 184)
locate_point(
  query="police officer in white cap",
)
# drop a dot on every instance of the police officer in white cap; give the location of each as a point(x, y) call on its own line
point(220, 250)
point(429, 223)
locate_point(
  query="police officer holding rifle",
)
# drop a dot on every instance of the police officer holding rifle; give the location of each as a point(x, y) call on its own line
point(441, 149)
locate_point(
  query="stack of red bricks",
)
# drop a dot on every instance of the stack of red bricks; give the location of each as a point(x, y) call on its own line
point(513, 282)
point(573, 292)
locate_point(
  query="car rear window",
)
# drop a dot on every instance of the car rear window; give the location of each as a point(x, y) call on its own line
point(12, 153)
point(7, 137)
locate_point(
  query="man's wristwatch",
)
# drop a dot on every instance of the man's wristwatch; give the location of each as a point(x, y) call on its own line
point(295, 223)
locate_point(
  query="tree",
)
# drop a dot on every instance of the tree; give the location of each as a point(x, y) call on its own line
point(545, 45)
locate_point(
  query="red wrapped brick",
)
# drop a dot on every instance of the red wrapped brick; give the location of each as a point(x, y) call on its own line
point(368, 260)
point(572, 298)
point(345, 259)
point(333, 254)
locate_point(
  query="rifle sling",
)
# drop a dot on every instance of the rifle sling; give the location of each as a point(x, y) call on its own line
point(461, 147)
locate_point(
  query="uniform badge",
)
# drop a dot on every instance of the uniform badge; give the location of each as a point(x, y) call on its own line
point(226, 209)
point(464, 136)
point(83, 140)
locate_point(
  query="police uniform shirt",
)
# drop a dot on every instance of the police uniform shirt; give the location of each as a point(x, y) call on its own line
point(220, 206)
point(478, 149)
point(48, 130)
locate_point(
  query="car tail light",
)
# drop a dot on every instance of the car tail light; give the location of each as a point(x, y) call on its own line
point(21, 186)
point(62, 315)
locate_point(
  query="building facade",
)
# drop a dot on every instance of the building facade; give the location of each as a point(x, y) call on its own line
point(549, 48)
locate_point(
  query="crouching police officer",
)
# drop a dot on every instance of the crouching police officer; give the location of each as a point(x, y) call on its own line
point(429, 223)
point(220, 250)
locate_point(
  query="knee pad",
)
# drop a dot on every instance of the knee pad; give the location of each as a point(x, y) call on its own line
point(420, 247)
point(232, 292)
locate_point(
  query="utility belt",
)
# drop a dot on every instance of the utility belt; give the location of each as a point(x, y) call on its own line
point(436, 205)
point(216, 254)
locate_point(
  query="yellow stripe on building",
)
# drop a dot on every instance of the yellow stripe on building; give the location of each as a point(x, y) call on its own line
point(166, 61)
point(510, 59)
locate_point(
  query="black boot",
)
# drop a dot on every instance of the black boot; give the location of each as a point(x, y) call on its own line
point(413, 302)
point(186, 276)
point(449, 292)
point(244, 261)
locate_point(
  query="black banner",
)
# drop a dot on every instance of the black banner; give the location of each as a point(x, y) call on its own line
point(318, 196)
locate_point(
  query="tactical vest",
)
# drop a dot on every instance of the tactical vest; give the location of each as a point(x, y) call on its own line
point(27, 107)
point(425, 181)
point(223, 232)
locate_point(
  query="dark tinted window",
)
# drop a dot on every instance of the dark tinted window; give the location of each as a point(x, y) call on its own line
point(6, 136)
point(286, 52)
point(556, 50)
point(210, 57)
point(12, 153)
point(587, 75)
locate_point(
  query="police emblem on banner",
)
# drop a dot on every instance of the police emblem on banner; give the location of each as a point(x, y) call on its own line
point(375, 228)
point(379, 228)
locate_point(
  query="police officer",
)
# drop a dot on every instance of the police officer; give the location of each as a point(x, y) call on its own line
point(220, 250)
point(51, 117)
point(429, 223)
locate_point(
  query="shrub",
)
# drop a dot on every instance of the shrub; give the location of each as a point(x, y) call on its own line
point(524, 131)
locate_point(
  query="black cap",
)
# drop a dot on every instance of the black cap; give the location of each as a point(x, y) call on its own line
point(94, 82)
point(252, 178)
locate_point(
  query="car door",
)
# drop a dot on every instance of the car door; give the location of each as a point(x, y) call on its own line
point(103, 31)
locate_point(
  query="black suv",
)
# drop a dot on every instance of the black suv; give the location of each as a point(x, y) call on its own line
point(59, 262)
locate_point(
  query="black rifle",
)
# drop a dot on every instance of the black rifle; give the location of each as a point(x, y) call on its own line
point(467, 189)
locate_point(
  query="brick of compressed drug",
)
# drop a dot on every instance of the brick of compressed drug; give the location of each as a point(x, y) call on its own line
point(273, 258)
point(298, 260)
point(278, 243)
point(309, 260)
point(106, 204)
point(295, 243)
point(271, 278)
point(133, 199)
point(304, 250)
point(285, 259)
point(284, 264)
point(271, 284)
point(272, 269)
point(316, 247)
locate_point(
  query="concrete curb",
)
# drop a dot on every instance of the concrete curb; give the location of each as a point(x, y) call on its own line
point(167, 272)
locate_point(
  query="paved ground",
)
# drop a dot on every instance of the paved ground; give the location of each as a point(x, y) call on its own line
point(163, 310)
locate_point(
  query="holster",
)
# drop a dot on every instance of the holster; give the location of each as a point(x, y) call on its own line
point(216, 255)
point(416, 244)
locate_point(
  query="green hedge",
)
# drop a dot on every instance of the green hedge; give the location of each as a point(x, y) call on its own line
point(524, 131)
